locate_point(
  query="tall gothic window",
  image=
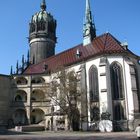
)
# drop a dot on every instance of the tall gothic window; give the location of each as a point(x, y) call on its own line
point(117, 81)
point(93, 84)
point(94, 94)
point(135, 88)
point(117, 87)
point(118, 112)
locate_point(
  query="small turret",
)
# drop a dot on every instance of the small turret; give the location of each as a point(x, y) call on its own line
point(23, 62)
point(28, 58)
point(11, 71)
point(17, 68)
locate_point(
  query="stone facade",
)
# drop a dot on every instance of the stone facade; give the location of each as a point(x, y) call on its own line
point(109, 77)
point(5, 94)
point(37, 105)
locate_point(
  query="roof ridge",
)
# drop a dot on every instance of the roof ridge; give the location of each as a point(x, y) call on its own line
point(69, 50)
point(99, 45)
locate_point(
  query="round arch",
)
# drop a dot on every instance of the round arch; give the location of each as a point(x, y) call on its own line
point(38, 80)
point(21, 81)
point(38, 95)
point(37, 116)
point(21, 95)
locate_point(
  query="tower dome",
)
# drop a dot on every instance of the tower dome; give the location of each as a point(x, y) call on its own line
point(42, 35)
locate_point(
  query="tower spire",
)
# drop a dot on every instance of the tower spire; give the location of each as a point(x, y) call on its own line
point(88, 17)
point(89, 31)
point(43, 5)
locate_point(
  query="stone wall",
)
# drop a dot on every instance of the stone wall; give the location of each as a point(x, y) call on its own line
point(4, 100)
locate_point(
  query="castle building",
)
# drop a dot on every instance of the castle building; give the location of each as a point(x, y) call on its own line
point(109, 76)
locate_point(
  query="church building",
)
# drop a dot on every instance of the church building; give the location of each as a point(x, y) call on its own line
point(109, 77)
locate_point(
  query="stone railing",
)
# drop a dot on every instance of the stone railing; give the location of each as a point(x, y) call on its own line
point(19, 104)
point(40, 103)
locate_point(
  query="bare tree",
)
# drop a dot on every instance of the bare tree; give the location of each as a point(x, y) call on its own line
point(64, 92)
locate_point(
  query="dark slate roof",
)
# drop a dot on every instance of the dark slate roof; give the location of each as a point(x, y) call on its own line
point(104, 44)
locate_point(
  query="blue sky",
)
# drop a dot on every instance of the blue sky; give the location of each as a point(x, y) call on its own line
point(120, 17)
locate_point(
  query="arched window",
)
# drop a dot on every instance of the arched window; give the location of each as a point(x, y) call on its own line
point(117, 91)
point(135, 88)
point(21, 81)
point(118, 112)
point(18, 98)
point(117, 81)
point(94, 93)
point(93, 84)
point(41, 25)
point(38, 95)
point(37, 115)
point(51, 26)
point(37, 80)
point(21, 95)
point(32, 27)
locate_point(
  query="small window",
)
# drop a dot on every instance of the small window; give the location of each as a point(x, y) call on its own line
point(41, 26)
point(32, 27)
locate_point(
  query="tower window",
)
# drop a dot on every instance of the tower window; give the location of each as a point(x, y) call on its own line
point(50, 27)
point(41, 26)
point(32, 27)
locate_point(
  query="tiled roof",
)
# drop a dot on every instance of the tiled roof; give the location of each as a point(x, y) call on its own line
point(103, 44)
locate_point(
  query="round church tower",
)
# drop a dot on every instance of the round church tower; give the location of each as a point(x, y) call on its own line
point(42, 35)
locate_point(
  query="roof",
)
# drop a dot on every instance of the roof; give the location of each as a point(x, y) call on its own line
point(103, 44)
